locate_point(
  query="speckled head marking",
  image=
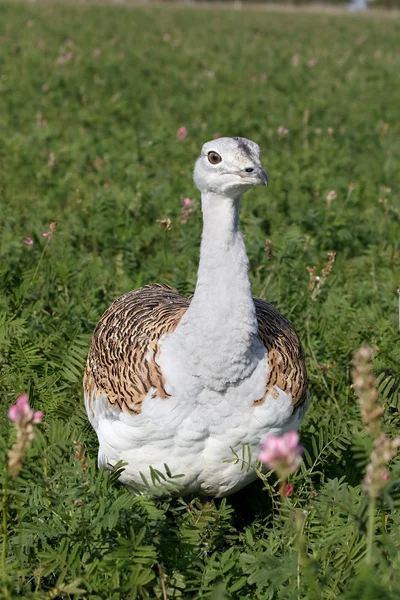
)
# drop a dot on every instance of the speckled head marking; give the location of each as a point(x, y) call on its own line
point(244, 147)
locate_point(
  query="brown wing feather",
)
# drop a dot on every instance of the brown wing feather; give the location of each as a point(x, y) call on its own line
point(285, 354)
point(129, 330)
point(121, 361)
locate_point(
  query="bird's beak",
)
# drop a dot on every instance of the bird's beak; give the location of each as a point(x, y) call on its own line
point(263, 177)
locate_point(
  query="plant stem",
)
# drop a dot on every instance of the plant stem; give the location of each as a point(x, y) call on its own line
point(4, 523)
point(32, 281)
point(370, 529)
point(300, 518)
point(285, 507)
point(398, 291)
point(4, 532)
point(162, 581)
point(40, 260)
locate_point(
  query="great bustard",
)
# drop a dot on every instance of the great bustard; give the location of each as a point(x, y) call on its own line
point(189, 382)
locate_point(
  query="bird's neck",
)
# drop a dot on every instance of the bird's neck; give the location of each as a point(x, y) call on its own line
point(223, 278)
point(219, 330)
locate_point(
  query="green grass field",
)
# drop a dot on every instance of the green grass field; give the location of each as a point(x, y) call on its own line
point(90, 102)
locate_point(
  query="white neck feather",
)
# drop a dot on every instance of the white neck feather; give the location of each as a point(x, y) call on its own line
point(223, 282)
point(217, 337)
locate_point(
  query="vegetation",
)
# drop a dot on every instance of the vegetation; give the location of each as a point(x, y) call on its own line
point(91, 99)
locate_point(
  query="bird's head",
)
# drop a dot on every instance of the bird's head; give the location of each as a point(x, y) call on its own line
point(229, 167)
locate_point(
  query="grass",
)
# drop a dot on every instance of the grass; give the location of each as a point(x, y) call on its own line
point(90, 102)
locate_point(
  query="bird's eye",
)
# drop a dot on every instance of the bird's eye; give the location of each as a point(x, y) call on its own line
point(214, 158)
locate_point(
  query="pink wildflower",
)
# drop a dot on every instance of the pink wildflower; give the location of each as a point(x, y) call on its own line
point(312, 62)
point(283, 453)
point(282, 131)
point(21, 411)
point(24, 418)
point(61, 60)
point(182, 133)
point(288, 490)
point(295, 60)
point(53, 227)
point(331, 196)
point(186, 210)
point(384, 450)
point(28, 241)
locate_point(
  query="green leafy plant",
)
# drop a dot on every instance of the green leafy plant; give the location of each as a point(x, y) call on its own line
point(91, 100)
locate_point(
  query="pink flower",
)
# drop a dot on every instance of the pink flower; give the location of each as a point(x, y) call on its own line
point(331, 196)
point(53, 227)
point(64, 59)
point(24, 418)
point(312, 62)
point(295, 60)
point(216, 135)
point(283, 453)
point(288, 490)
point(282, 131)
point(21, 412)
point(186, 210)
point(28, 241)
point(182, 133)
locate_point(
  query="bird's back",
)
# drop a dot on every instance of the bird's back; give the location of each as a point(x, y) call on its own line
point(124, 385)
point(121, 361)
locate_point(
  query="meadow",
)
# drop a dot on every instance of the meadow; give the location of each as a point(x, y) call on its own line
point(91, 99)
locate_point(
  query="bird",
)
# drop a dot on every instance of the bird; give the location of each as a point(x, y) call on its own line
point(183, 390)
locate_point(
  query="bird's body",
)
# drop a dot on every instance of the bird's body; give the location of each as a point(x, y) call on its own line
point(195, 384)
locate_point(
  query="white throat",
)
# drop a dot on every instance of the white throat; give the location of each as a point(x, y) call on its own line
point(217, 337)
